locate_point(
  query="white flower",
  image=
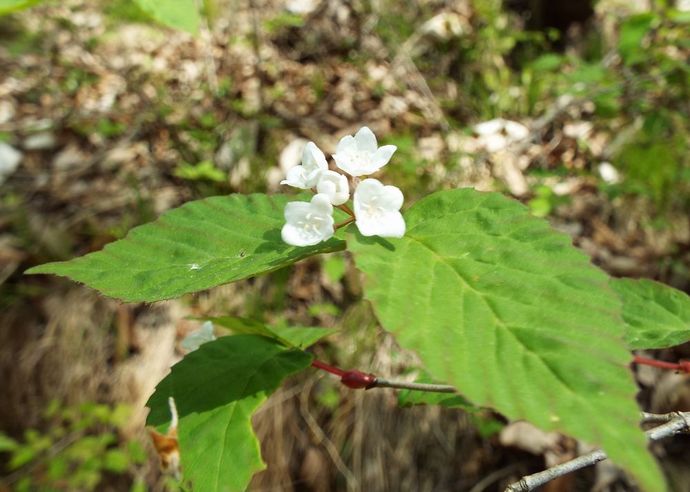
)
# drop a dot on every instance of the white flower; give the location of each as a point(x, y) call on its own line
point(335, 186)
point(307, 174)
point(377, 209)
point(308, 223)
point(360, 155)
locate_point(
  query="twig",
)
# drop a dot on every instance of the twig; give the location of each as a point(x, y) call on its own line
point(346, 209)
point(659, 418)
point(679, 423)
point(209, 60)
point(360, 380)
point(433, 388)
point(345, 222)
point(322, 439)
point(256, 46)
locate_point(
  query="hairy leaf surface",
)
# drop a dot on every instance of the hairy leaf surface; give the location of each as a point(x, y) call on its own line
point(178, 14)
point(199, 245)
point(217, 389)
point(505, 309)
point(657, 316)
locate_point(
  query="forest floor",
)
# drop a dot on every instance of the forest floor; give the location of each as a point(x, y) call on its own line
point(107, 121)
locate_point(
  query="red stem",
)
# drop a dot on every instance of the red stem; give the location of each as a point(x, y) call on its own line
point(352, 379)
point(325, 367)
point(682, 366)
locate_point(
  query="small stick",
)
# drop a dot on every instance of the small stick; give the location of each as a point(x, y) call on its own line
point(346, 209)
point(677, 425)
point(344, 223)
point(360, 380)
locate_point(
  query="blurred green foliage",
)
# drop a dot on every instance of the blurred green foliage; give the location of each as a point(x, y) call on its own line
point(78, 447)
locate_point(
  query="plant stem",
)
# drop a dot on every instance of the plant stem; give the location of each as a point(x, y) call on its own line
point(328, 368)
point(682, 366)
point(346, 209)
point(360, 380)
point(344, 223)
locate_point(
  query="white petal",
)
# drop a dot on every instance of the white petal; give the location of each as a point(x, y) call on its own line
point(376, 209)
point(326, 231)
point(313, 177)
point(296, 177)
point(295, 211)
point(365, 191)
point(392, 198)
point(366, 140)
point(390, 224)
point(335, 186)
point(294, 236)
point(313, 157)
point(326, 186)
point(320, 204)
point(350, 164)
point(308, 223)
point(347, 144)
point(383, 155)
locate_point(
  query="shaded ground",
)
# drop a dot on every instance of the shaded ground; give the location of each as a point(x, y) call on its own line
point(117, 121)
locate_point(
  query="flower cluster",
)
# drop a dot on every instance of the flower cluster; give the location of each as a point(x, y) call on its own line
point(376, 206)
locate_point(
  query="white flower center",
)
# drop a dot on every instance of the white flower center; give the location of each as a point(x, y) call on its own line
point(310, 225)
point(373, 209)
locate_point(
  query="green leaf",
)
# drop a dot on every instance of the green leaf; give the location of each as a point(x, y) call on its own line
point(116, 460)
point(506, 310)
point(632, 32)
point(10, 6)
point(199, 245)
point(204, 170)
point(290, 336)
point(178, 14)
point(7, 443)
point(656, 315)
point(547, 63)
point(217, 389)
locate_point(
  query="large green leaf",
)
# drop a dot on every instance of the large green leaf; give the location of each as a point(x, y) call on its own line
point(507, 311)
point(178, 14)
point(199, 245)
point(657, 316)
point(216, 389)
